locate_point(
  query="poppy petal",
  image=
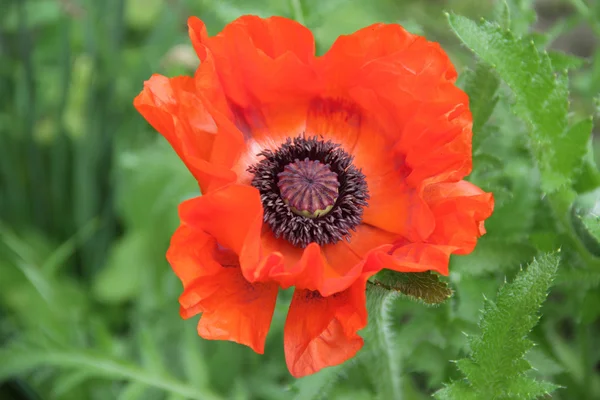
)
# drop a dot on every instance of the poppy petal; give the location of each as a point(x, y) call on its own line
point(322, 331)
point(315, 272)
point(206, 141)
point(393, 205)
point(230, 214)
point(259, 60)
point(266, 128)
point(396, 207)
point(432, 134)
point(334, 119)
point(460, 209)
point(232, 308)
point(437, 141)
point(327, 269)
point(368, 238)
point(190, 254)
point(401, 79)
point(416, 257)
point(307, 268)
point(350, 53)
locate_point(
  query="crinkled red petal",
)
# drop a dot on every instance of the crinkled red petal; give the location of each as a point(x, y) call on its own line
point(232, 308)
point(460, 209)
point(322, 331)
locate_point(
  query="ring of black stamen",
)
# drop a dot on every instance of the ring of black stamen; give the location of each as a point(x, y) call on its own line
point(299, 230)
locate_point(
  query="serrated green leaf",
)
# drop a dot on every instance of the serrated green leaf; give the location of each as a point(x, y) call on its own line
point(541, 97)
point(502, 13)
point(562, 62)
point(423, 286)
point(522, 15)
point(497, 365)
point(457, 390)
point(524, 387)
point(481, 86)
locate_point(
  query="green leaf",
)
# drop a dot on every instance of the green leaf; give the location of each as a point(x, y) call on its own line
point(492, 255)
point(120, 279)
point(589, 175)
point(481, 86)
point(585, 219)
point(497, 367)
point(39, 13)
point(541, 97)
point(152, 359)
point(69, 381)
point(471, 291)
point(318, 386)
point(502, 13)
point(562, 62)
point(133, 391)
point(543, 364)
point(580, 278)
point(194, 361)
point(142, 14)
point(21, 359)
point(521, 15)
point(423, 286)
point(592, 225)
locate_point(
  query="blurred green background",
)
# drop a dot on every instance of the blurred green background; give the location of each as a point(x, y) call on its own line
point(89, 195)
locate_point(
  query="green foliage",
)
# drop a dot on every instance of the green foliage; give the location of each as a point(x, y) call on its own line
point(83, 365)
point(592, 224)
point(481, 86)
point(541, 98)
point(89, 195)
point(492, 255)
point(425, 286)
point(496, 368)
point(382, 360)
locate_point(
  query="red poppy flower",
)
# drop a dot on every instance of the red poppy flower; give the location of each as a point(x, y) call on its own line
point(316, 172)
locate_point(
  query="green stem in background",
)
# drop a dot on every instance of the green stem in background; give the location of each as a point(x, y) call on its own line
point(583, 337)
point(60, 155)
point(58, 258)
point(101, 367)
point(561, 202)
point(584, 10)
point(382, 357)
point(297, 12)
point(36, 181)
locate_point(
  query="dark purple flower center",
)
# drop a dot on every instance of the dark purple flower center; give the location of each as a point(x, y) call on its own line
point(310, 191)
point(309, 187)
